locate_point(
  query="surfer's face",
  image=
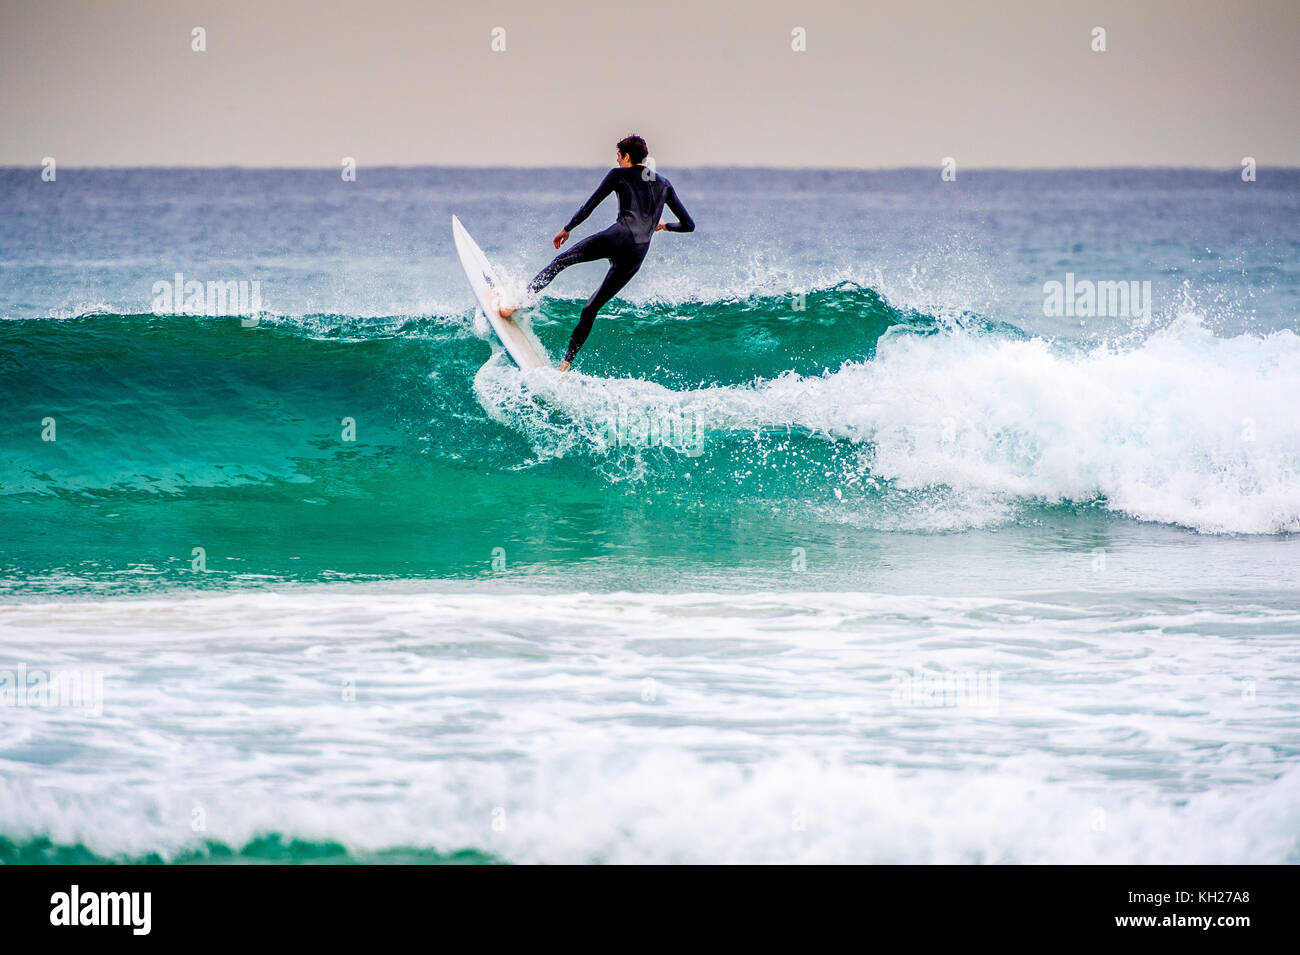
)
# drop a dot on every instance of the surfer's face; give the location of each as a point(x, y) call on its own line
point(623, 160)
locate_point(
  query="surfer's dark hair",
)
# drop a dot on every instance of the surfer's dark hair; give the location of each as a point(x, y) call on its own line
point(634, 148)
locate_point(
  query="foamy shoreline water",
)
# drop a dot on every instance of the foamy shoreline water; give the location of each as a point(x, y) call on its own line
point(639, 727)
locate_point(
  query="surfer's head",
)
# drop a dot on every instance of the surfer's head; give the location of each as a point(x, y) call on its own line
point(632, 151)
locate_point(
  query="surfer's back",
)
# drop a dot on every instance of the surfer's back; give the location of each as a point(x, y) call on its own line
point(642, 195)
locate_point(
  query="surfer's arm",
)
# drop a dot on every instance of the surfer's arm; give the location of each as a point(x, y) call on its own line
point(605, 188)
point(684, 221)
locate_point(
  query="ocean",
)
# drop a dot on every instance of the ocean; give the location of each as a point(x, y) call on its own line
point(883, 519)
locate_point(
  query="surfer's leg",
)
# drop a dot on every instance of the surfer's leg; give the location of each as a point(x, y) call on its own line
point(621, 269)
point(587, 250)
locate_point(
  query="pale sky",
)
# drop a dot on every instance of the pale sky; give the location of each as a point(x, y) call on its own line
point(707, 82)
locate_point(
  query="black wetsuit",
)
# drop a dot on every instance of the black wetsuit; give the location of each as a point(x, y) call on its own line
point(642, 195)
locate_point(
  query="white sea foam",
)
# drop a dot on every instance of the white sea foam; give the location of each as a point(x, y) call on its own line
point(1184, 427)
point(563, 727)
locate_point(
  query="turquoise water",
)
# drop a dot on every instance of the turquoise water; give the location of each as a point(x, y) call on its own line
point(835, 547)
point(270, 849)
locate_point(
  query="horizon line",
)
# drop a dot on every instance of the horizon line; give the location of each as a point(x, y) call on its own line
point(692, 166)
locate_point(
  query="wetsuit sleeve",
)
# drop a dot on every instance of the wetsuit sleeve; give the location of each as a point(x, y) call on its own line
point(605, 188)
point(685, 223)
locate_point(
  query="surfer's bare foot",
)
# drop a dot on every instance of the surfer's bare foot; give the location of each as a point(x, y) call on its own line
point(505, 311)
point(564, 366)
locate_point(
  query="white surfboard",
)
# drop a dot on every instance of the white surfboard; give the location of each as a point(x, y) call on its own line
point(522, 347)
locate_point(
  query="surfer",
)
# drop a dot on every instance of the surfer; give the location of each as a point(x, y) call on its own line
point(642, 195)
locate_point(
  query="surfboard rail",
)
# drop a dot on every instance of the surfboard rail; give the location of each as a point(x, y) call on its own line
point(485, 284)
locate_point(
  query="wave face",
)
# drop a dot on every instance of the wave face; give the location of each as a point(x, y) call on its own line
point(404, 447)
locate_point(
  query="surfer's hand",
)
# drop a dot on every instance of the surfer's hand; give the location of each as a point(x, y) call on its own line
point(661, 226)
point(561, 237)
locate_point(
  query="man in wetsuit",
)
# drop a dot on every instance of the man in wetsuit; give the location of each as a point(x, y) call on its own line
point(642, 195)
